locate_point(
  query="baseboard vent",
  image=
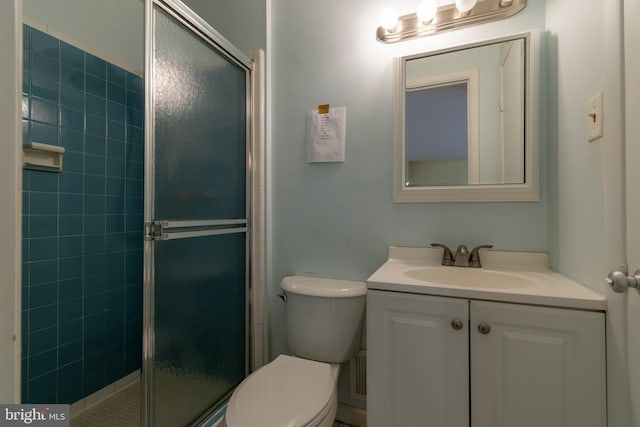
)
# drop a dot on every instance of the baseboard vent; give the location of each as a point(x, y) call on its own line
point(358, 375)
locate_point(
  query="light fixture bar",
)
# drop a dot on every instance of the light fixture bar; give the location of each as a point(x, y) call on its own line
point(449, 18)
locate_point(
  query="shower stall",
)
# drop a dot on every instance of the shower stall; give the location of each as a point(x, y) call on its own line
point(137, 256)
point(196, 216)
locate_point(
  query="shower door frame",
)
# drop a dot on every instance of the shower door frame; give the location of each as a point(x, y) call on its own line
point(202, 30)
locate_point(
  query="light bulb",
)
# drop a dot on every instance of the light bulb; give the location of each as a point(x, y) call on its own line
point(427, 9)
point(389, 19)
point(465, 5)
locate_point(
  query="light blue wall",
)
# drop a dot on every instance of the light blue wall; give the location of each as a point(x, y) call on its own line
point(90, 24)
point(337, 220)
point(576, 167)
point(242, 22)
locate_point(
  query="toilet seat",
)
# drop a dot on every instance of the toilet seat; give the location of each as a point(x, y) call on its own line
point(288, 392)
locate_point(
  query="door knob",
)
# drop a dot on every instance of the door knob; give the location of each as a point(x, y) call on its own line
point(457, 324)
point(619, 281)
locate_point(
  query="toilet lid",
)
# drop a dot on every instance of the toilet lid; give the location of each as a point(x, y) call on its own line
point(288, 392)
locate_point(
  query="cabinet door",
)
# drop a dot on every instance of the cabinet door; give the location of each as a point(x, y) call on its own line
point(536, 367)
point(417, 363)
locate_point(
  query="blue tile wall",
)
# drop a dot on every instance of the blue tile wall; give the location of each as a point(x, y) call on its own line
point(82, 233)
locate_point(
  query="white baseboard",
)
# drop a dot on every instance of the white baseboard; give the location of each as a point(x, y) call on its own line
point(351, 415)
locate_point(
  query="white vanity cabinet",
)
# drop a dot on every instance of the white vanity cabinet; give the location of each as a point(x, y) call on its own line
point(501, 365)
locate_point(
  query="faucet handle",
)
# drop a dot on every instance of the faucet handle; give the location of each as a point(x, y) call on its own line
point(474, 258)
point(447, 256)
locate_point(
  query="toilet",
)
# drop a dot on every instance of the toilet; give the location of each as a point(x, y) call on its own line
point(323, 318)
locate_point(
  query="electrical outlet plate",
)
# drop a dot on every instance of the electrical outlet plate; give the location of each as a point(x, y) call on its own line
point(595, 117)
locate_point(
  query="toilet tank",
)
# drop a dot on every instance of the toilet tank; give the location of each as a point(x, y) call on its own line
point(323, 317)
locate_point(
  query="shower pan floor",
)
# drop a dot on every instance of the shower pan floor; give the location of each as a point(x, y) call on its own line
point(121, 409)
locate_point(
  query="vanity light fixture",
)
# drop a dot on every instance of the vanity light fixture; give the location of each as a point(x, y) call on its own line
point(432, 19)
point(426, 11)
point(389, 19)
point(465, 6)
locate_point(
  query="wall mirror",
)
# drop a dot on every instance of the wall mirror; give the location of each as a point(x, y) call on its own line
point(466, 123)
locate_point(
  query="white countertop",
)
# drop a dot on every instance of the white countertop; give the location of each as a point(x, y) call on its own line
point(542, 285)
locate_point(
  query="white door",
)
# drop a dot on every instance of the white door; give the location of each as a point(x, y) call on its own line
point(632, 143)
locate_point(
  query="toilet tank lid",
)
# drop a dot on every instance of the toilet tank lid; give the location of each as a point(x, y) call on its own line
point(322, 287)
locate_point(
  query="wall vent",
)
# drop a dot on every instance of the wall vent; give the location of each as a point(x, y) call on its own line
point(358, 376)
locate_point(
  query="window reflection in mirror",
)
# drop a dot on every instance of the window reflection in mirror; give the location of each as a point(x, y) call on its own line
point(465, 116)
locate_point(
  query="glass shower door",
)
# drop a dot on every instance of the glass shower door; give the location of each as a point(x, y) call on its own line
point(196, 213)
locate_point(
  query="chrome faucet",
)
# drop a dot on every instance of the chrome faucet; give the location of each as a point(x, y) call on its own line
point(462, 258)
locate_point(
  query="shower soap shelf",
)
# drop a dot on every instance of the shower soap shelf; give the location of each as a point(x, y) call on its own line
point(44, 157)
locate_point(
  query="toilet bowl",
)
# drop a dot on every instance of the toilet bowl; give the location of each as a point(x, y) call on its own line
point(323, 319)
point(288, 392)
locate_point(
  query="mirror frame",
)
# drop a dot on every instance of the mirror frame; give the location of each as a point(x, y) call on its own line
point(526, 192)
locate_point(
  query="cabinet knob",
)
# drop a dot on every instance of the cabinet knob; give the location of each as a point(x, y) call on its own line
point(457, 324)
point(484, 329)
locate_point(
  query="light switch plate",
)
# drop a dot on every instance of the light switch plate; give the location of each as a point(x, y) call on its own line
point(595, 117)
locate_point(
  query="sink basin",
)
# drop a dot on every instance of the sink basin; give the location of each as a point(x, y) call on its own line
point(514, 277)
point(471, 277)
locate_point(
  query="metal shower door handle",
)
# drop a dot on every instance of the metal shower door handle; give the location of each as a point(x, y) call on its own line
point(620, 282)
